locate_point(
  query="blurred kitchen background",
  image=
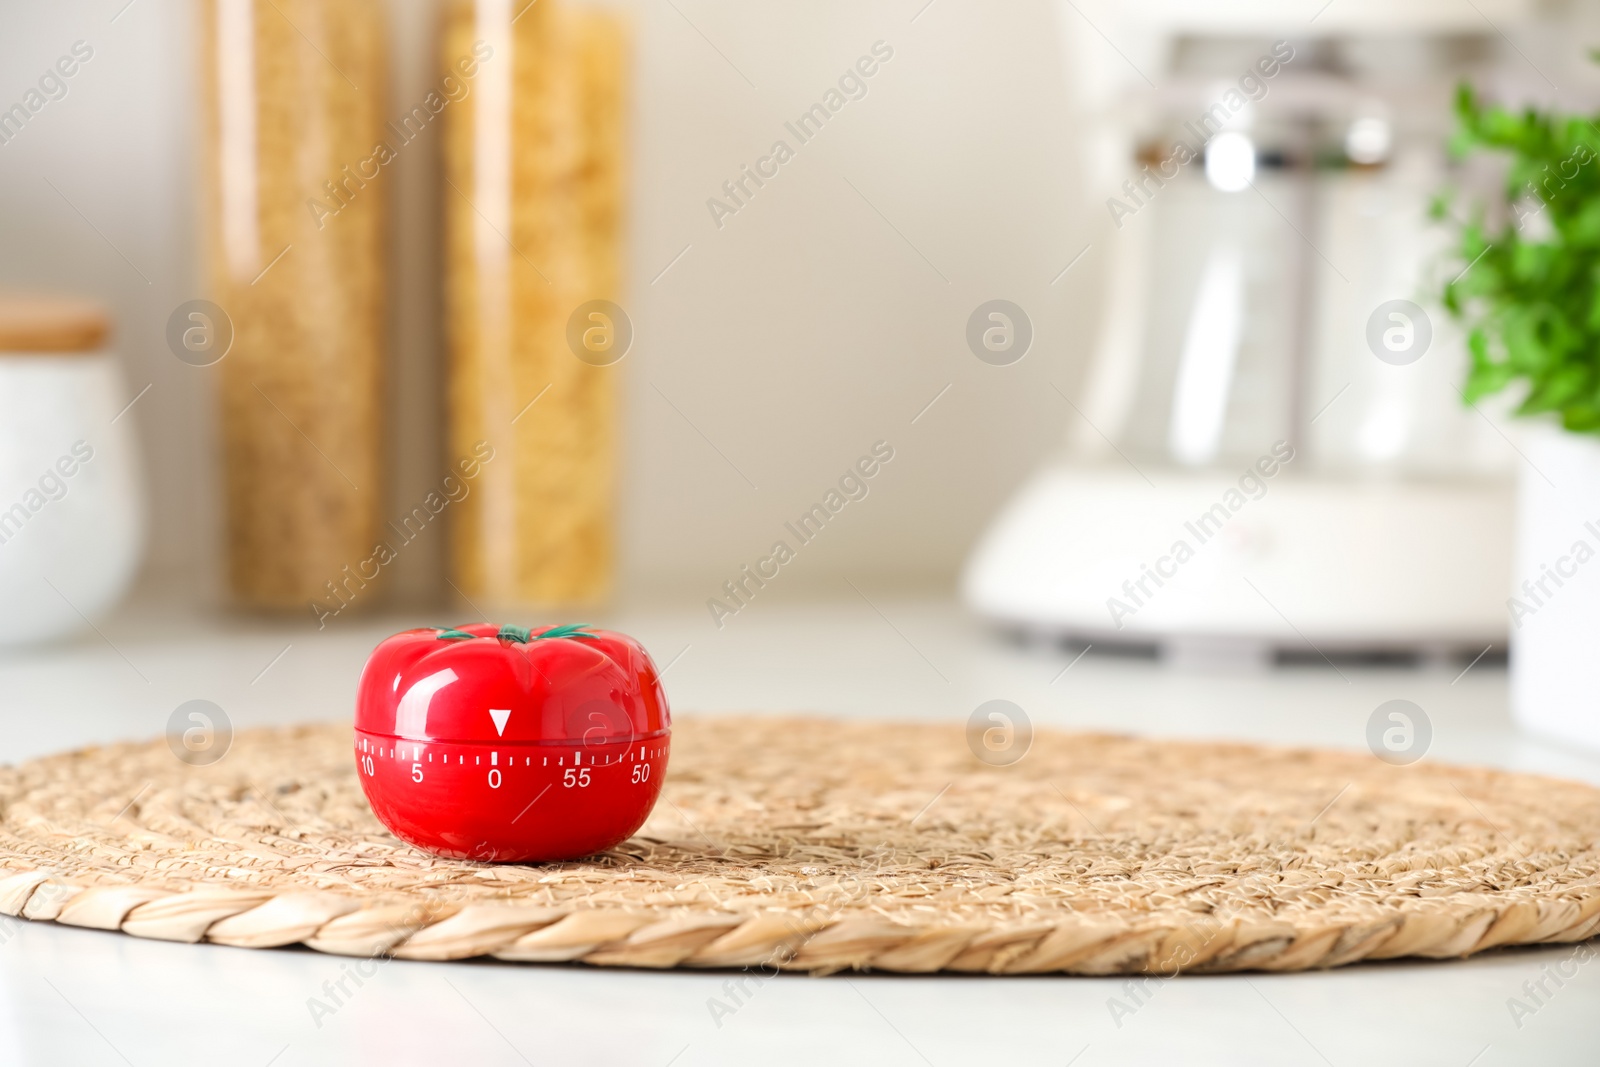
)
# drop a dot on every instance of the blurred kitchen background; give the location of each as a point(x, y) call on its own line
point(793, 337)
point(1177, 329)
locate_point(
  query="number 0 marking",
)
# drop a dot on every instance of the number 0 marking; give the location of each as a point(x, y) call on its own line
point(494, 778)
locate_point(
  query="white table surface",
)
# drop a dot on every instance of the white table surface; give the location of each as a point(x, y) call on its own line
point(83, 997)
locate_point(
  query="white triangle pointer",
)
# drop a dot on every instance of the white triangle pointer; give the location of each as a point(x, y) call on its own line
point(500, 715)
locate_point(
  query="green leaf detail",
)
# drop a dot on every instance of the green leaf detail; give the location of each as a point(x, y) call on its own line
point(519, 634)
point(570, 630)
point(1526, 277)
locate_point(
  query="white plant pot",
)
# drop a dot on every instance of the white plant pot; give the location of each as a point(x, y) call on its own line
point(1555, 600)
point(71, 516)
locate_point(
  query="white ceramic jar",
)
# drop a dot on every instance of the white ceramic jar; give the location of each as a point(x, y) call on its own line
point(1555, 597)
point(71, 514)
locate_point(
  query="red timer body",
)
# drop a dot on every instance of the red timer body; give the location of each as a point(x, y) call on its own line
point(497, 743)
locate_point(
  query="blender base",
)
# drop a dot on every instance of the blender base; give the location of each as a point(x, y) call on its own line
point(1208, 573)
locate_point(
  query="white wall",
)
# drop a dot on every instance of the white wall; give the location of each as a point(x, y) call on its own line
point(793, 337)
point(806, 327)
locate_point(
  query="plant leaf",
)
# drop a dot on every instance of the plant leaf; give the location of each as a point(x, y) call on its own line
point(1529, 295)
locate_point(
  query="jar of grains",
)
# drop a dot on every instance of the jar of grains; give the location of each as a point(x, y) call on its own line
point(294, 150)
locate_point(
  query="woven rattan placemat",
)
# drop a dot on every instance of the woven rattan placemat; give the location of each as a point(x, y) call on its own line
point(817, 845)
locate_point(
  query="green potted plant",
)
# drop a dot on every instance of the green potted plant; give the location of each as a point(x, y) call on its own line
point(1528, 293)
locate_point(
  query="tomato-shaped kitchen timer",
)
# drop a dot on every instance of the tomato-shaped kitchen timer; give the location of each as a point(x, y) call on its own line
point(500, 743)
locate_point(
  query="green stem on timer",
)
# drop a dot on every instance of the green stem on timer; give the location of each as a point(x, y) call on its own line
point(520, 634)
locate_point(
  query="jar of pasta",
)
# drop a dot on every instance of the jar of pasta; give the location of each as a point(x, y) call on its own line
point(533, 207)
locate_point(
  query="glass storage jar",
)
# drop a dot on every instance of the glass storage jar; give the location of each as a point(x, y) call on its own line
point(534, 173)
point(294, 147)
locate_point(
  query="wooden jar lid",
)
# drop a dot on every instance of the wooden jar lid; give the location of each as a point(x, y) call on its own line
point(37, 323)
